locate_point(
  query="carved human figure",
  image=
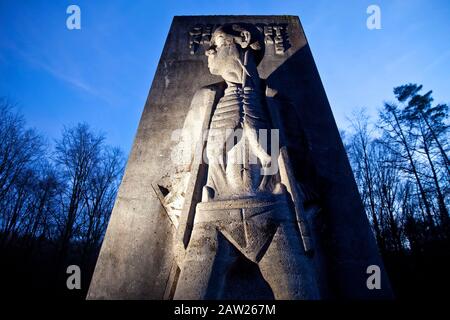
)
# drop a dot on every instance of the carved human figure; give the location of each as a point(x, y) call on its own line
point(237, 160)
point(245, 209)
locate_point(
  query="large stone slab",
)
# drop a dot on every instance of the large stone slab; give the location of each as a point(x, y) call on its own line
point(137, 255)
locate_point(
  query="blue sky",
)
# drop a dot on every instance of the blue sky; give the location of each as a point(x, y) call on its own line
point(101, 74)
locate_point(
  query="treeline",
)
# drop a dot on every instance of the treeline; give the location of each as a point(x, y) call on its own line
point(55, 203)
point(401, 165)
point(56, 198)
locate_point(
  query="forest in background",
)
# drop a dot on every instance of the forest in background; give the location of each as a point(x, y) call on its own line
point(55, 202)
point(401, 166)
point(56, 197)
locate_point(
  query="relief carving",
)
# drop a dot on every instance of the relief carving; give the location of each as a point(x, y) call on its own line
point(234, 195)
point(275, 35)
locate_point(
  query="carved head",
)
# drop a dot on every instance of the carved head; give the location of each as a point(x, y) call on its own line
point(229, 44)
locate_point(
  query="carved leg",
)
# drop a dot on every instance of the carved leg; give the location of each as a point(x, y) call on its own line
point(209, 256)
point(286, 268)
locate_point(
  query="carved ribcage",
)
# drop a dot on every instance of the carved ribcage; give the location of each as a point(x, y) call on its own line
point(253, 113)
point(228, 113)
point(232, 111)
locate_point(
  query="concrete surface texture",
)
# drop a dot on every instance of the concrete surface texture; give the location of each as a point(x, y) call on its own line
point(201, 213)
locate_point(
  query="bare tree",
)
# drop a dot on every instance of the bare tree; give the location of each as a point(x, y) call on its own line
point(388, 189)
point(77, 155)
point(428, 124)
point(434, 117)
point(53, 206)
point(20, 148)
point(99, 198)
point(43, 205)
point(397, 137)
point(360, 148)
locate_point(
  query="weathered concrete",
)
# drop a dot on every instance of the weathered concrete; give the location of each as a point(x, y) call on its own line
point(137, 256)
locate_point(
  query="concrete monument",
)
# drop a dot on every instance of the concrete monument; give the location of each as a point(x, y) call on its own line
point(246, 185)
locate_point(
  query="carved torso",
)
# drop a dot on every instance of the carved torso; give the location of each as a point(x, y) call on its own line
point(229, 110)
point(233, 149)
point(235, 108)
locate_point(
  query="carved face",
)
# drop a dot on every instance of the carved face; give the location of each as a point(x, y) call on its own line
point(223, 57)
